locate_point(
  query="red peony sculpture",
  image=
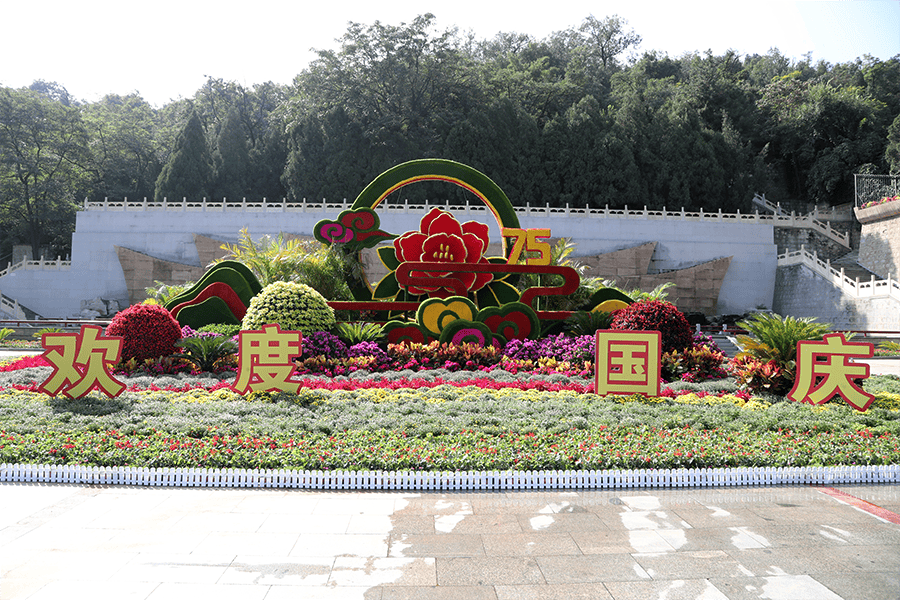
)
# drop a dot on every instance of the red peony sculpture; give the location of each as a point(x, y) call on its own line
point(441, 238)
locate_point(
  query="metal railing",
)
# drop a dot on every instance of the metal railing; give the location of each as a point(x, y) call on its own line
point(868, 188)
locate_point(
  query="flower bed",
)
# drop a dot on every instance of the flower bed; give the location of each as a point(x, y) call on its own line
point(881, 201)
point(438, 420)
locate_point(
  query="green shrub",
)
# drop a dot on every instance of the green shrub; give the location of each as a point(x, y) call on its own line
point(225, 329)
point(147, 330)
point(5, 333)
point(293, 306)
point(588, 322)
point(767, 360)
point(354, 333)
point(206, 352)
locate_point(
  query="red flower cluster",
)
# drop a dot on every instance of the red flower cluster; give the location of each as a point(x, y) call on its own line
point(653, 315)
point(147, 330)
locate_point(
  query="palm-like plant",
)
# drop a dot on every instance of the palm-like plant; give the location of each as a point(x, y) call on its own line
point(206, 351)
point(588, 323)
point(773, 341)
point(775, 337)
point(323, 268)
point(352, 333)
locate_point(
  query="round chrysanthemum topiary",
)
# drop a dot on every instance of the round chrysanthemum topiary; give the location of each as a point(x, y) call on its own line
point(653, 315)
point(147, 331)
point(293, 306)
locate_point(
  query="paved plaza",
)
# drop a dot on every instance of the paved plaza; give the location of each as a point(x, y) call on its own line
point(779, 543)
point(776, 543)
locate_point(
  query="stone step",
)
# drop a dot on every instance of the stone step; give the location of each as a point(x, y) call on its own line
point(852, 269)
point(726, 344)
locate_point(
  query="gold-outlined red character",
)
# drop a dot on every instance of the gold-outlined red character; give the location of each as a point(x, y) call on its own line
point(823, 370)
point(266, 360)
point(81, 362)
point(627, 362)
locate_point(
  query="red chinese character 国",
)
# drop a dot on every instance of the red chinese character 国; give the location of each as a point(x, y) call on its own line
point(628, 362)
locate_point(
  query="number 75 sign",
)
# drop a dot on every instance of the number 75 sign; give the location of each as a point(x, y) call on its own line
point(527, 240)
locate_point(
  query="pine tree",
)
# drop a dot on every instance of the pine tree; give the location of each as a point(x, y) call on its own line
point(231, 160)
point(892, 152)
point(189, 171)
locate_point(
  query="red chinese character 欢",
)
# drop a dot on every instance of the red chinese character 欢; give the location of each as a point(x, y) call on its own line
point(81, 362)
point(823, 371)
point(628, 362)
point(265, 360)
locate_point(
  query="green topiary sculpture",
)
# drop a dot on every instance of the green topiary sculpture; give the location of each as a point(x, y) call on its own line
point(294, 306)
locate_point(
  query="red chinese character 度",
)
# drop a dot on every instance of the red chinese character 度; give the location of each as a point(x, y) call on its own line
point(265, 360)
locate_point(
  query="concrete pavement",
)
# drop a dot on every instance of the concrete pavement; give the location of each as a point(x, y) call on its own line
point(779, 543)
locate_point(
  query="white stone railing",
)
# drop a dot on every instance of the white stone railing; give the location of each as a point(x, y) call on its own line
point(857, 288)
point(12, 308)
point(330, 208)
point(810, 221)
point(38, 265)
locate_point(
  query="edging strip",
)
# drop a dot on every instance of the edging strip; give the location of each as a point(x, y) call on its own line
point(458, 481)
point(859, 503)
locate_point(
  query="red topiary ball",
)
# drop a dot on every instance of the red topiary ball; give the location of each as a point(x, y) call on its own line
point(653, 315)
point(148, 331)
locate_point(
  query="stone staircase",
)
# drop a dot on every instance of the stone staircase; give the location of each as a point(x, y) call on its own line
point(852, 269)
point(12, 310)
point(725, 343)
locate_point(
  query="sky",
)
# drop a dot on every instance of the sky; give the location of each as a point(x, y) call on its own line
point(164, 49)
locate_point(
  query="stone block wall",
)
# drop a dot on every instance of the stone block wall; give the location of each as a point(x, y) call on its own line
point(799, 292)
point(151, 245)
point(879, 245)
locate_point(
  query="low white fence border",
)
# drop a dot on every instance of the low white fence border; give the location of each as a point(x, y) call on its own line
point(448, 481)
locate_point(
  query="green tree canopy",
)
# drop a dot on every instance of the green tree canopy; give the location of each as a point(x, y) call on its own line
point(188, 172)
point(44, 169)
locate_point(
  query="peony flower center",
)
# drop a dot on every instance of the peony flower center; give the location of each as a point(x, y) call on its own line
point(443, 253)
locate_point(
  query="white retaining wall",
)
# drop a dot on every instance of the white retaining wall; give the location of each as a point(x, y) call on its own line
point(166, 232)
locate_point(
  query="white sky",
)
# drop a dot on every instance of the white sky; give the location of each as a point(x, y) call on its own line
point(164, 48)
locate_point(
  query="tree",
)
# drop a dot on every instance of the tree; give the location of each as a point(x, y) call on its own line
point(528, 73)
point(404, 86)
point(593, 52)
point(604, 40)
point(188, 172)
point(231, 160)
point(820, 135)
point(892, 152)
point(124, 145)
point(44, 157)
point(485, 141)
